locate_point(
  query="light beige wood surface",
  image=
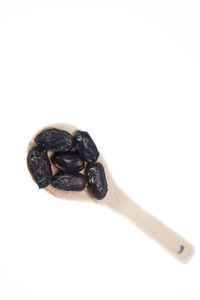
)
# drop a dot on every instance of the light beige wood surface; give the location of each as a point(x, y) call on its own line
point(118, 201)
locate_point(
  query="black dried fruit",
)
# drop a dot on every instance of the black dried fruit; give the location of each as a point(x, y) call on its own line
point(69, 181)
point(39, 166)
point(85, 146)
point(55, 140)
point(68, 160)
point(96, 179)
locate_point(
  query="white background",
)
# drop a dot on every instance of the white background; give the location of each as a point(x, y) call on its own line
point(128, 72)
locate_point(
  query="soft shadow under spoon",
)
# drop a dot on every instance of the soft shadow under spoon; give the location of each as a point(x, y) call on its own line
point(117, 200)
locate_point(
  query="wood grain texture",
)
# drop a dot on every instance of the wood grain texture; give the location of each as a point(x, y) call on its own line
point(118, 201)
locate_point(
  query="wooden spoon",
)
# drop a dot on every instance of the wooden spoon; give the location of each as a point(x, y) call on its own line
point(117, 200)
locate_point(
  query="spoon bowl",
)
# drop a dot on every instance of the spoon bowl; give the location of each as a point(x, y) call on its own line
point(71, 195)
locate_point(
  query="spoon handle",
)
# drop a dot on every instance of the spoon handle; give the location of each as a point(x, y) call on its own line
point(170, 240)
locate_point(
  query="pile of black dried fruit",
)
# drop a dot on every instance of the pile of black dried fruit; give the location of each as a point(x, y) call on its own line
point(68, 162)
point(85, 146)
point(40, 166)
point(69, 181)
point(55, 140)
point(97, 184)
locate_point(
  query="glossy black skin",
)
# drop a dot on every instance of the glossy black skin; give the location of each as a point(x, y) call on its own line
point(39, 166)
point(69, 161)
point(85, 146)
point(97, 184)
point(69, 181)
point(55, 140)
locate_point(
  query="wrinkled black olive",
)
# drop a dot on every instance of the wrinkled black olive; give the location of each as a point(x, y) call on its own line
point(55, 140)
point(85, 146)
point(96, 179)
point(39, 166)
point(69, 181)
point(69, 161)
